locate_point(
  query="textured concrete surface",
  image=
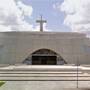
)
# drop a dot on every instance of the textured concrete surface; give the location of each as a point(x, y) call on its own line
point(51, 78)
point(44, 85)
point(15, 47)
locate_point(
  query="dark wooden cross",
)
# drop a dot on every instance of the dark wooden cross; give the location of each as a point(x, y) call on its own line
point(41, 21)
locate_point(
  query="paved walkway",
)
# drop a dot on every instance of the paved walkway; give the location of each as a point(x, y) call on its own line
point(44, 85)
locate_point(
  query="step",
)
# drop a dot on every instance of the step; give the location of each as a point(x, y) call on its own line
point(49, 75)
point(37, 72)
point(45, 78)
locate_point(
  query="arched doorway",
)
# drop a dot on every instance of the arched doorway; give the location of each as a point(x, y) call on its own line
point(44, 57)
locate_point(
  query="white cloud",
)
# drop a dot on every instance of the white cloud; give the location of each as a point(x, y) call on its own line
point(12, 16)
point(77, 14)
point(37, 28)
point(27, 10)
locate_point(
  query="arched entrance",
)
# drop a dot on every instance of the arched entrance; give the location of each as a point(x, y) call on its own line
point(44, 57)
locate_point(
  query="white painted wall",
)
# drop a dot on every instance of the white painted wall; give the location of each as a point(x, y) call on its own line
point(19, 45)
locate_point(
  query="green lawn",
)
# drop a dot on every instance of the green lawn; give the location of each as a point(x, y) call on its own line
point(1, 83)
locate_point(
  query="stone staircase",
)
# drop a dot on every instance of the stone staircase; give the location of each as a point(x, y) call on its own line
point(43, 73)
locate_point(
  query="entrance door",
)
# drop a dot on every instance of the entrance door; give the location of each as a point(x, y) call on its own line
point(44, 57)
point(44, 60)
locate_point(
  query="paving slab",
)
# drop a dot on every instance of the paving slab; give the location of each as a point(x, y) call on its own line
point(45, 85)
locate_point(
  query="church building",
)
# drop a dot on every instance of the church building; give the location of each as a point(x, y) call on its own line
point(44, 48)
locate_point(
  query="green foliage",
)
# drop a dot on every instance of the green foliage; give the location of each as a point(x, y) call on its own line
point(1, 83)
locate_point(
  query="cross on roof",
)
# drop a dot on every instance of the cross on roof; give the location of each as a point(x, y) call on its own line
point(41, 21)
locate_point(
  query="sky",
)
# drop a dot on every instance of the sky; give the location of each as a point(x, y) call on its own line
point(61, 15)
point(46, 9)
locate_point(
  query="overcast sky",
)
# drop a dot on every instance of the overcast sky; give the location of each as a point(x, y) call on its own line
point(61, 15)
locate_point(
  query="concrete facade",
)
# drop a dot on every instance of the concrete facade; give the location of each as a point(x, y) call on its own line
point(16, 46)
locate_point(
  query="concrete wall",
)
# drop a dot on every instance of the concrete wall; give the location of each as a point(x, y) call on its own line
point(16, 46)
